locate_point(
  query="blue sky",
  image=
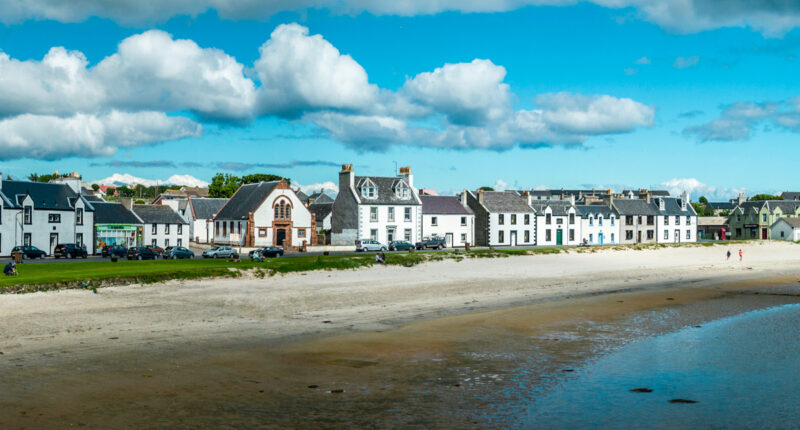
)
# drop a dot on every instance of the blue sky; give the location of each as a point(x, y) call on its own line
point(572, 95)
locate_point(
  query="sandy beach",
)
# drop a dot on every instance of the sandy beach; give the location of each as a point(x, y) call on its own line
point(157, 355)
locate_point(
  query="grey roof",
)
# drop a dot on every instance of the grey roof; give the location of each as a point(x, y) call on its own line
point(443, 205)
point(755, 204)
point(784, 205)
point(634, 207)
point(790, 195)
point(672, 207)
point(45, 195)
point(557, 207)
point(721, 205)
point(246, 199)
point(114, 213)
point(505, 201)
point(319, 198)
point(597, 210)
point(206, 208)
point(321, 210)
point(792, 221)
point(157, 214)
point(302, 196)
point(712, 220)
point(654, 193)
point(386, 191)
point(93, 199)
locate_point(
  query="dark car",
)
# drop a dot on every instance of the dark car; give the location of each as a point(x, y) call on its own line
point(141, 253)
point(178, 252)
point(267, 252)
point(157, 249)
point(117, 250)
point(432, 243)
point(29, 251)
point(400, 245)
point(69, 250)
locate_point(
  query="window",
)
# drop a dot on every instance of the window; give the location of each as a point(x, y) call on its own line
point(548, 234)
point(180, 242)
point(463, 220)
point(501, 219)
point(501, 236)
point(591, 220)
point(513, 219)
point(79, 216)
point(612, 235)
point(154, 230)
point(688, 234)
point(782, 234)
point(763, 217)
point(373, 234)
point(403, 192)
point(390, 235)
point(591, 238)
point(688, 220)
point(224, 228)
point(79, 239)
point(26, 239)
point(651, 220)
point(373, 214)
point(571, 234)
point(628, 220)
point(262, 232)
point(666, 234)
point(527, 236)
point(166, 228)
point(527, 220)
point(54, 218)
point(180, 228)
point(407, 235)
point(434, 220)
point(153, 242)
point(600, 220)
point(27, 214)
point(407, 214)
point(572, 219)
point(216, 228)
point(463, 237)
point(166, 243)
point(559, 221)
point(628, 235)
point(368, 190)
point(301, 232)
point(650, 234)
point(639, 220)
point(548, 219)
point(391, 214)
point(612, 221)
point(677, 220)
point(230, 227)
point(666, 220)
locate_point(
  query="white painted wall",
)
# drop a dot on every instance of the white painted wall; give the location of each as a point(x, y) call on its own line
point(40, 228)
point(508, 228)
point(783, 231)
point(666, 226)
point(8, 220)
point(590, 230)
point(366, 225)
point(450, 224)
point(560, 222)
point(163, 238)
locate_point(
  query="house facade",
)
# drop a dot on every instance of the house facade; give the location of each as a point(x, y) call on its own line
point(376, 207)
point(599, 224)
point(558, 222)
point(637, 219)
point(265, 214)
point(44, 215)
point(502, 218)
point(753, 219)
point(676, 221)
point(786, 229)
point(448, 217)
point(116, 224)
point(200, 214)
point(162, 226)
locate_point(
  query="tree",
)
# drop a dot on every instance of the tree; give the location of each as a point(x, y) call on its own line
point(124, 191)
point(95, 187)
point(703, 200)
point(761, 197)
point(262, 177)
point(35, 177)
point(700, 209)
point(486, 188)
point(223, 185)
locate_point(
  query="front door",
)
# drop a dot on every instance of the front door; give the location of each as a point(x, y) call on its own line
point(448, 240)
point(559, 237)
point(638, 237)
point(763, 233)
point(53, 242)
point(390, 235)
point(280, 236)
point(600, 237)
point(677, 236)
point(513, 238)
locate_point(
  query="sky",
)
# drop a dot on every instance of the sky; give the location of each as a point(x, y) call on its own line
point(689, 95)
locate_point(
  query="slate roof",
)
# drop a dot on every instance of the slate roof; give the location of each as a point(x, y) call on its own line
point(93, 199)
point(319, 197)
point(46, 196)
point(443, 205)
point(203, 208)
point(302, 196)
point(246, 199)
point(721, 206)
point(385, 187)
point(321, 210)
point(654, 193)
point(114, 213)
point(557, 207)
point(792, 221)
point(790, 195)
point(712, 220)
point(785, 205)
point(634, 207)
point(504, 201)
point(596, 210)
point(672, 207)
point(157, 214)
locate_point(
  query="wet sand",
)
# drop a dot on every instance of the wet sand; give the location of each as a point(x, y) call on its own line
point(437, 366)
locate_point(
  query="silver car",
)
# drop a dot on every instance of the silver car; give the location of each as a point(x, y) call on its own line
point(365, 245)
point(220, 252)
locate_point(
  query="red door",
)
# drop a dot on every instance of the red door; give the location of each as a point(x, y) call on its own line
point(639, 237)
point(763, 233)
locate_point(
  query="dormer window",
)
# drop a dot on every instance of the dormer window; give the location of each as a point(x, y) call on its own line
point(26, 211)
point(403, 192)
point(369, 190)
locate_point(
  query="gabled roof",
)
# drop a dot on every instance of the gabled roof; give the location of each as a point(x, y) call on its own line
point(790, 195)
point(321, 210)
point(157, 214)
point(557, 207)
point(385, 187)
point(596, 210)
point(319, 198)
point(786, 206)
point(205, 208)
point(721, 205)
point(114, 213)
point(794, 222)
point(443, 205)
point(712, 220)
point(247, 199)
point(504, 201)
point(302, 196)
point(654, 193)
point(672, 207)
point(45, 196)
point(627, 207)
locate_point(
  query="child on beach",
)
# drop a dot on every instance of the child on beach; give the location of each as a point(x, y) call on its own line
point(729, 254)
point(740, 255)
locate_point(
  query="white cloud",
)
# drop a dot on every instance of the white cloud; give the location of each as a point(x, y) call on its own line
point(588, 115)
point(118, 179)
point(738, 121)
point(695, 189)
point(642, 61)
point(686, 62)
point(500, 185)
point(51, 137)
point(467, 93)
point(328, 187)
point(300, 72)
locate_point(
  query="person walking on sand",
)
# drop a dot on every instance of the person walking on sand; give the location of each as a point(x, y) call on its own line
point(729, 254)
point(740, 255)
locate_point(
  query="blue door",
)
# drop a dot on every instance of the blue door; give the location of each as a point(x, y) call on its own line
point(600, 236)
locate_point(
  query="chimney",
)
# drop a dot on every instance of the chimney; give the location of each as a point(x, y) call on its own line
point(528, 197)
point(572, 199)
point(661, 204)
point(127, 202)
point(480, 196)
point(347, 179)
point(464, 198)
point(405, 172)
point(742, 199)
point(684, 200)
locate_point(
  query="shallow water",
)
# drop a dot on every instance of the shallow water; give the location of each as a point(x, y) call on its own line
point(743, 372)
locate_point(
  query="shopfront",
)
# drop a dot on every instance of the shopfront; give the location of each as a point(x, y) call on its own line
point(127, 235)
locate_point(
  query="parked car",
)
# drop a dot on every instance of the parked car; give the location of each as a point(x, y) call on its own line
point(29, 251)
point(178, 252)
point(432, 243)
point(141, 253)
point(400, 245)
point(69, 250)
point(157, 249)
point(365, 245)
point(267, 252)
point(118, 250)
point(220, 252)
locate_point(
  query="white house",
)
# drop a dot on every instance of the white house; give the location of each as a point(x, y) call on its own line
point(786, 229)
point(323, 212)
point(376, 207)
point(599, 224)
point(447, 217)
point(163, 226)
point(557, 222)
point(676, 221)
point(44, 215)
point(502, 218)
point(200, 213)
point(265, 214)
